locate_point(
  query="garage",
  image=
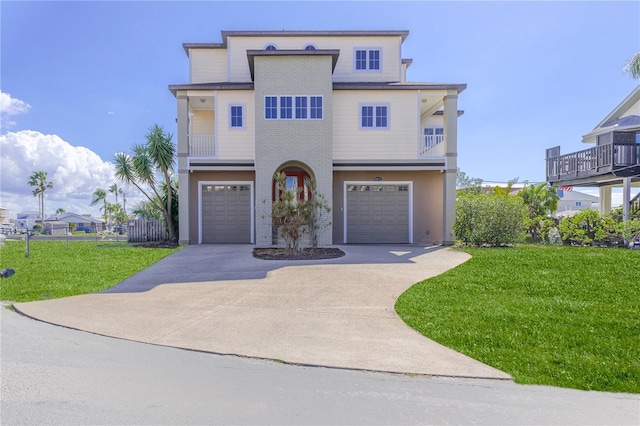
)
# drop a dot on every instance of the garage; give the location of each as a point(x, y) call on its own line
point(226, 213)
point(377, 212)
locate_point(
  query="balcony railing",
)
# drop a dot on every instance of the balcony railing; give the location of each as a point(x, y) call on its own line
point(202, 145)
point(599, 160)
point(432, 146)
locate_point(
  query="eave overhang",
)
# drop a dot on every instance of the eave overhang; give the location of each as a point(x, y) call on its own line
point(398, 86)
point(210, 86)
point(251, 55)
point(436, 164)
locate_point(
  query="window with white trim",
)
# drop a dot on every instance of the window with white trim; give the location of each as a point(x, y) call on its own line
point(374, 116)
point(236, 116)
point(289, 107)
point(286, 107)
point(315, 105)
point(270, 47)
point(301, 107)
point(367, 59)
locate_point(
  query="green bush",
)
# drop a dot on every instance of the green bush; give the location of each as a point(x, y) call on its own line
point(491, 220)
point(590, 228)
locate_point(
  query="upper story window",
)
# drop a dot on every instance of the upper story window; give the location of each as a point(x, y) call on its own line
point(236, 116)
point(310, 47)
point(301, 107)
point(374, 116)
point(270, 47)
point(368, 59)
point(288, 107)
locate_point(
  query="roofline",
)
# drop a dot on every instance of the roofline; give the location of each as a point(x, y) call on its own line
point(631, 99)
point(459, 87)
point(187, 46)
point(340, 33)
point(334, 53)
point(336, 86)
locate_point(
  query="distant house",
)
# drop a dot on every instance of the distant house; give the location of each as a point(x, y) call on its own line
point(613, 160)
point(82, 223)
point(55, 227)
point(26, 220)
point(572, 202)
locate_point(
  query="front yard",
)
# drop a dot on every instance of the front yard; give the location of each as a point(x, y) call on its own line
point(53, 271)
point(561, 316)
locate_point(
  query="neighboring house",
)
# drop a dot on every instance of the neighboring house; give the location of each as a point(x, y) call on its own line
point(333, 106)
point(572, 202)
point(613, 161)
point(26, 220)
point(81, 222)
point(55, 227)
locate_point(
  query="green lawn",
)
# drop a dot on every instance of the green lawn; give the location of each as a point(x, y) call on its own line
point(52, 271)
point(561, 316)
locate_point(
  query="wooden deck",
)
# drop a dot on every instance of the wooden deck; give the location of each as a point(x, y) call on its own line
point(614, 160)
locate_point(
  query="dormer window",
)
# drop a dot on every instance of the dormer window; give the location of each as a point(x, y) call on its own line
point(270, 47)
point(309, 47)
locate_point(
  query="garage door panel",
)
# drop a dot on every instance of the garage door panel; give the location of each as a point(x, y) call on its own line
point(226, 213)
point(377, 213)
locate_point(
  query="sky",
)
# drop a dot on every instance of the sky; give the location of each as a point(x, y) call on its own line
point(80, 81)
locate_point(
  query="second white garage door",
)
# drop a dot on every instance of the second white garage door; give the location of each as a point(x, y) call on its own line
point(377, 213)
point(226, 213)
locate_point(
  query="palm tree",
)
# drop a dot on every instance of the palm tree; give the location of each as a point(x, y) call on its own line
point(100, 195)
point(114, 189)
point(155, 157)
point(60, 211)
point(633, 66)
point(39, 181)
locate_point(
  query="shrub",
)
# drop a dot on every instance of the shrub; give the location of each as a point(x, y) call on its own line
point(492, 220)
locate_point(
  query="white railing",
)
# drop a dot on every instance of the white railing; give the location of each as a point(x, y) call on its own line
point(202, 145)
point(432, 146)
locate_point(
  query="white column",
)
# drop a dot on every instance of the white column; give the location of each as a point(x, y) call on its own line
point(183, 169)
point(605, 199)
point(626, 197)
point(449, 180)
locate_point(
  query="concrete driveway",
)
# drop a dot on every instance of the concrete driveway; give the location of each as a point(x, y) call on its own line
point(220, 299)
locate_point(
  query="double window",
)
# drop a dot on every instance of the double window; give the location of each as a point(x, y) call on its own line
point(368, 59)
point(374, 116)
point(293, 107)
point(236, 116)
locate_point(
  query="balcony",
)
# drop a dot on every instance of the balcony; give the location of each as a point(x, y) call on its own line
point(202, 145)
point(616, 159)
point(432, 146)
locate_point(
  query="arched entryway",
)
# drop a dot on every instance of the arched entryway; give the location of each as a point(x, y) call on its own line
point(297, 177)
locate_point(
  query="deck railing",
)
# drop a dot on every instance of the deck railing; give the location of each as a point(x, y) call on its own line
point(432, 146)
point(598, 160)
point(202, 145)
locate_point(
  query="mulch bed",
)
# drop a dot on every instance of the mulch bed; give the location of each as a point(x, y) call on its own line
point(156, 244)
point(305, 254)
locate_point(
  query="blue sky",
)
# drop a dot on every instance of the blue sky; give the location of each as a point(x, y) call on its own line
point(94, 75)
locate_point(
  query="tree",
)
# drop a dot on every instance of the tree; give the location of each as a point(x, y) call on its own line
point(39, 181)
point(60, 211)
point(466, 184)
point(148, 168)
point(633, 66)
point(541, 201)
point(100, 195)
point(114, 189)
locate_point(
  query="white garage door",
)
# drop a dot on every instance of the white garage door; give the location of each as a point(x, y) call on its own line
point(377, 213)
point(226, 213)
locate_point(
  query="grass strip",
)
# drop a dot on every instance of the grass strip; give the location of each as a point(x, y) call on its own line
point(561, 316)
point(53, 271)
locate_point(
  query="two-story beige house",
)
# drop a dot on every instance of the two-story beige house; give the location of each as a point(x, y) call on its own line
point(333, 106)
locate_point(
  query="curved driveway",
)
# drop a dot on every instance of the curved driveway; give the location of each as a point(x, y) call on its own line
point(219, 299)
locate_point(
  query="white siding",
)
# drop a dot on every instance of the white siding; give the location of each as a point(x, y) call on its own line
point(208, 65)
point(398, 142)
point(634, 110)
point(344, 71)
point(236, 144)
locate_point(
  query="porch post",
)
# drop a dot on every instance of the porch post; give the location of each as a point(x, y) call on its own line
point(605, 199)
point(449, 190)
point(626, 197)
point(183, 169)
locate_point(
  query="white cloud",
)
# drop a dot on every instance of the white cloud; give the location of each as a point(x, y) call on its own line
point(11, 106)
point(74, 171)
